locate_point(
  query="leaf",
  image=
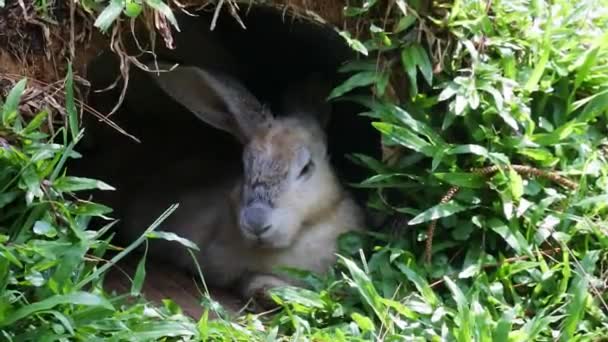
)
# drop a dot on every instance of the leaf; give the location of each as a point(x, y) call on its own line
point(413, 58)
point(417, 126)
point(7, 198)
point(361, 79)
point(109, 15)
point(363, 322)
point(541, 65)
point(421, 284)
point(473, 149)
point(516, 184)
point(576, 308)
point(464, 329)
point(44, 228)
point(364, 286)
point(11, 105)
point(354, 44)
point(406, 138)
point(597, 104)
point(90, 209)
point(462, 179)
point(140, 274)
point(76, 298)
point(460, 105)
point(588, 60)
point(132, 8)
point(70, 184)
point(165, 10)
point(400, 308)
point(593, 200)
point(36, 122)
point(513, 237)
point(99, 271)
point(448, 92)
point(404, 23)
point(169, 236)
point(294, 295)
point(439, 211)
point(70, 106)
point(558, 135)
point(503, 327)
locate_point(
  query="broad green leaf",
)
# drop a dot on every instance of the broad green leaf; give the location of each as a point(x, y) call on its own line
point(140, 274)
point(70, 105)
point(462, 179)
point(404, 23)
point(109, 15)
point(363, 322)
point(406, 138)
point(364, 287)
point(90, 209)
point(503, 327)
point(75, 298)
point(595, 106)
point(400, 308)
point(70, 184)
point(170, 236)
point(588, 60)
point(36, 122)
point(439, 211)
point(155, 330)
point(474, 149)
point(132, 8)
point(448, 92)
point(7, 198)
point(538, 154)
point(361, 79)
point(516, 184)
point(464, 329)
point(354, 44)
point(418, 126)
point(575, 309)
point(545, 49)
point(414, 58)
point(11, 104)
point(421, 284)
point(513, 237)
point(293, 295)
point(44, 228)
point(593, 200)
point(558, 135)
point(99, 271)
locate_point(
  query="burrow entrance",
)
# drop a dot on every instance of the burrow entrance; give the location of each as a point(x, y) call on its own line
point(272, 51)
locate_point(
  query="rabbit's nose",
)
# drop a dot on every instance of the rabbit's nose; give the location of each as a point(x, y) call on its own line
point(254, 219)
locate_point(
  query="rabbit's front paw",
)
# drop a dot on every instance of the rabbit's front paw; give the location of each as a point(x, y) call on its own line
point(258, 288)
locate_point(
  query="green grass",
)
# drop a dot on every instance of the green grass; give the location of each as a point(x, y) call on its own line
point(502, 99)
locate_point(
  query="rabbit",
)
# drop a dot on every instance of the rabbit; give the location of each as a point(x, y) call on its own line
point(279, 204)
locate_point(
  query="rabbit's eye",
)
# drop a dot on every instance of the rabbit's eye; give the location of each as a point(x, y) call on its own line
point(306, 169)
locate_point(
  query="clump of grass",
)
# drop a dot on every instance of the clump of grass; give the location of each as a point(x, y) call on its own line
point(506, 101)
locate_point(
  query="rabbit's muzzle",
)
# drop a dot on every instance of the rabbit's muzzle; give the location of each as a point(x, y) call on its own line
point(255, 220)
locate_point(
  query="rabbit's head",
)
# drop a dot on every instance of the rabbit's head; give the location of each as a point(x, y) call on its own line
point(287, 180)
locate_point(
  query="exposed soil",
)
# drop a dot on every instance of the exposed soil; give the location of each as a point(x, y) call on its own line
point(35, 42)
point(163, 282)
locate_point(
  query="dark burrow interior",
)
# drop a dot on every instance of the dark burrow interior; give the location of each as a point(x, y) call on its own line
point(272, 51)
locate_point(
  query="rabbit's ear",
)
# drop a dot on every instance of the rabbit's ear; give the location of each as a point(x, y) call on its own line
point(309, 98)
point(215, 98)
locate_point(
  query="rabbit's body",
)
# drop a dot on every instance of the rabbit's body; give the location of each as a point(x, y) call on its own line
point(208, 215)
point(281, 205)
